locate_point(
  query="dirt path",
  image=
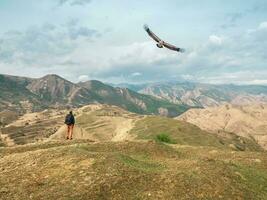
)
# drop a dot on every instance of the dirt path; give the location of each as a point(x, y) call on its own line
point(123, 130)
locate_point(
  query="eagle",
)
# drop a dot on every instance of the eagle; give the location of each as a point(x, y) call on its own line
point(161, 43)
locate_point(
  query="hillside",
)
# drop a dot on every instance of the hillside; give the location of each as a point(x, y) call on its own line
point(130, 170)
point(15, 95)
point(204, 95)
point(103, 123)
point(133, 101)
point(116, 154)
point(23, 95)
point(246, 121)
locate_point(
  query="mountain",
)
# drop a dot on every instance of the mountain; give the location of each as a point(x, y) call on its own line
point(116, 154)
point(27, 95)
point(15, 96)
point(133, 101)
point(204, 95)
point(247, 121)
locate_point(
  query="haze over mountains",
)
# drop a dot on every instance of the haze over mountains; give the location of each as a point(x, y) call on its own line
point(203, 95)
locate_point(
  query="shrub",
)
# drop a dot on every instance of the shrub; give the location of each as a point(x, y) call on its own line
point(163, 137)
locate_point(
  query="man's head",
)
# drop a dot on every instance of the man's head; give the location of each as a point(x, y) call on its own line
point(71, 112)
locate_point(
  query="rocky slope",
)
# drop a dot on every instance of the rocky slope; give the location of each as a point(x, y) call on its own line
point(247, 121)
point(28, 95)
point(204, 95)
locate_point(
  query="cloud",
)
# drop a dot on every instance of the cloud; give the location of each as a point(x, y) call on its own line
point(220, 59)
point(140, 61)
point(47, 49)
point(79, 54)
point(258, 7)
point(43, 45)
point(237, 59)
point(232, 19)
point(83, 78)
point(214, 39)
point(263, 25)
point(136, 74)
point(74, 2)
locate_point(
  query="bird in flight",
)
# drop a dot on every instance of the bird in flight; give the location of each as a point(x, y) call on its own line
point(161, 43)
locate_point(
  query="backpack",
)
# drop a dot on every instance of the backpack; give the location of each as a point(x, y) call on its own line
point(68, 119)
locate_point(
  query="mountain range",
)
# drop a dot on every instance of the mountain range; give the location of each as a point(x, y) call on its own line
point(23, 94)
point(203, 95)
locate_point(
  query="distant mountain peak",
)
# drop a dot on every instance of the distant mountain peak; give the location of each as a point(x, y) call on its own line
point(55, 91)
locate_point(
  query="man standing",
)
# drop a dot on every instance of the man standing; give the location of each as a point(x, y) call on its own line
point(70, 121)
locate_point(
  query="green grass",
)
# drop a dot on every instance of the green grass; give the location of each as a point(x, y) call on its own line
point(163, 137)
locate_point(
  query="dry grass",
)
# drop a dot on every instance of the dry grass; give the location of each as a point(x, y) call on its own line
point(187, 134)
point(130, 170)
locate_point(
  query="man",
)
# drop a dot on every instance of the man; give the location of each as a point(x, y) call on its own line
point(70, 121)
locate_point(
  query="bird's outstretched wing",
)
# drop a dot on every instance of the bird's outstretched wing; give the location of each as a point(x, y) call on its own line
point(172, 47)
point(151, 34)
point(165, 44)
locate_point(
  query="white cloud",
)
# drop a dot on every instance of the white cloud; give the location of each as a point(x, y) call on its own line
point(72, 53)
point(263, 25)
point(83, 78)
point(44, 45)
point(74, 2)
point(136, 74)
point(214, 39)
point(258, 82)
point(188, 77)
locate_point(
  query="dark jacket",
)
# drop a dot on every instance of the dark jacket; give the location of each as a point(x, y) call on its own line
point(70, 120)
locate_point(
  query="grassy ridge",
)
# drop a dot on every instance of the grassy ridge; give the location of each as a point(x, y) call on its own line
point(188, 134)
point(130, 170)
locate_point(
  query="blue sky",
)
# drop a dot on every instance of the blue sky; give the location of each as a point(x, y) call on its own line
point(225, 40)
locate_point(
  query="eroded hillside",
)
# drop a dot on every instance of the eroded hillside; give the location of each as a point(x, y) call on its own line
point(246, 121)
point(26, 95)
point(205, 95)
point(102, 123)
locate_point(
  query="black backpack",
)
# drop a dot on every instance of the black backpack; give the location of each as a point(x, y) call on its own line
point(68, 119)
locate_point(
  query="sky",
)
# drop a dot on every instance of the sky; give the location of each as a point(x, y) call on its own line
point(225, 40)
